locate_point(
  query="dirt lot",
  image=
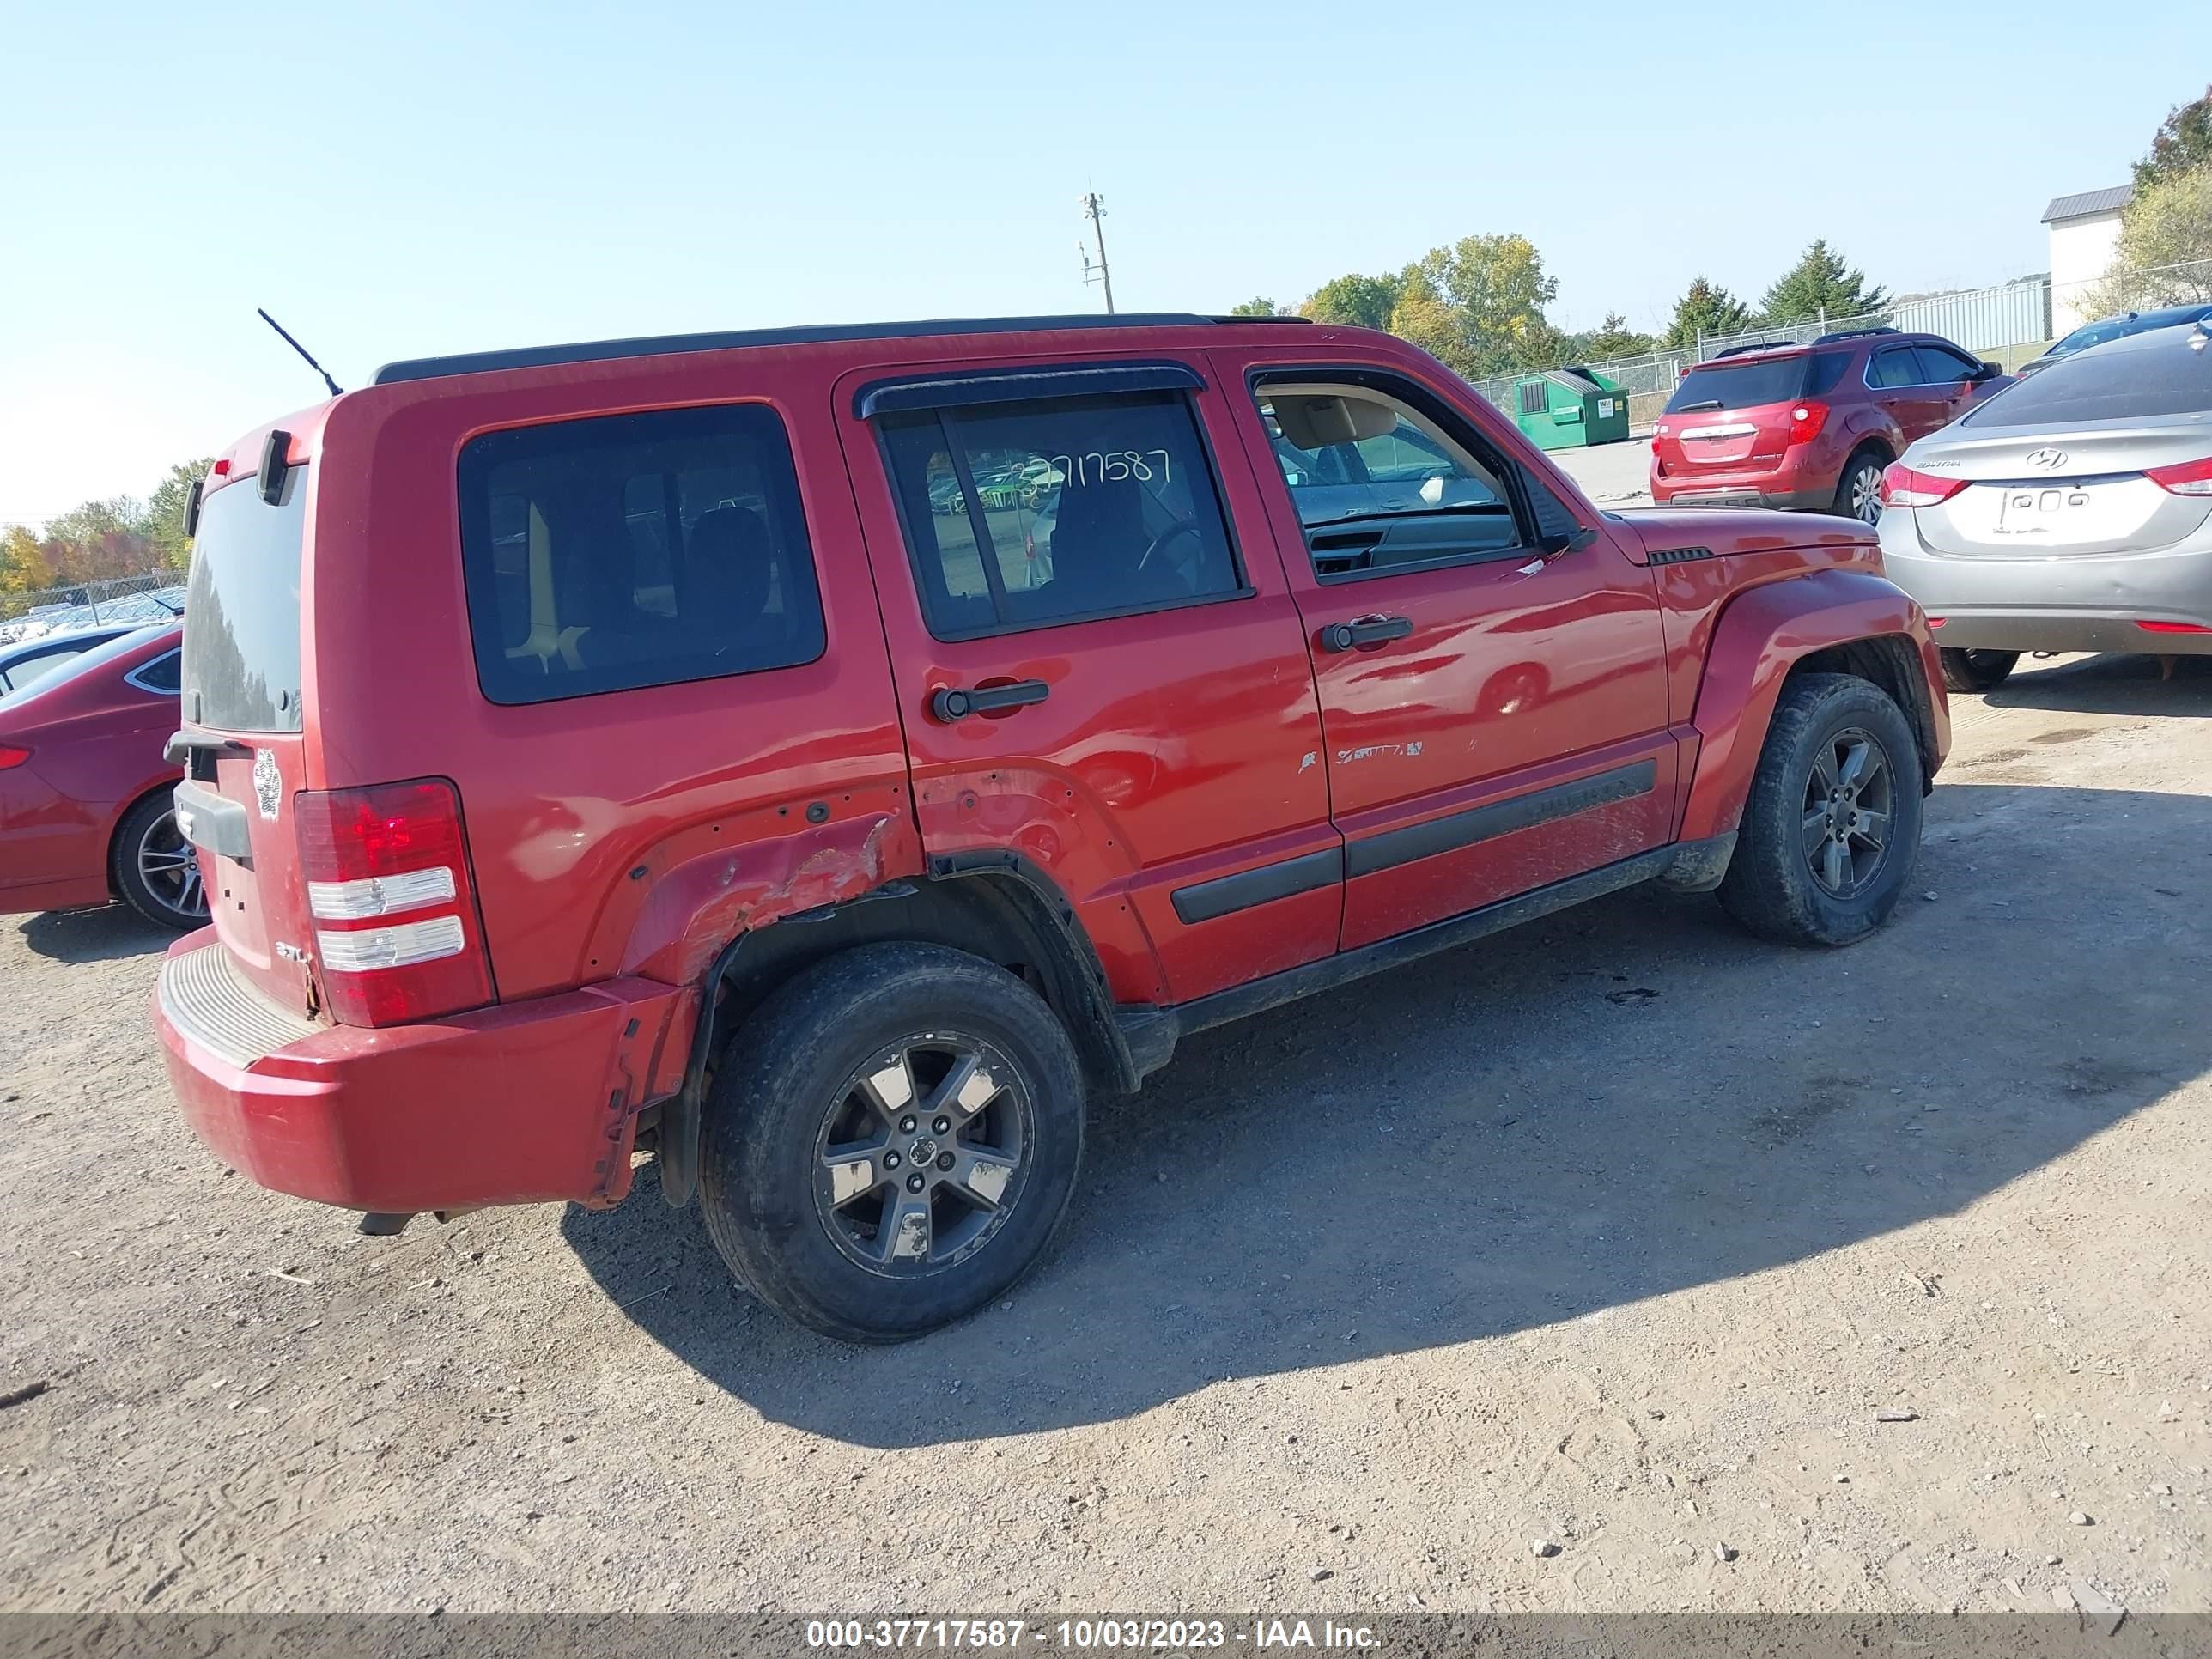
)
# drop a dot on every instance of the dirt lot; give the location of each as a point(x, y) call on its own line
point(1621, 1232)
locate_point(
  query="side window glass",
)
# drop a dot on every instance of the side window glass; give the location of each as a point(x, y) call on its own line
point(1941, 367)
point(1824, 371)
point(164, 673)
point(1380, 483)
point(637, 549)
point(1894, 365)
point(1028, 514)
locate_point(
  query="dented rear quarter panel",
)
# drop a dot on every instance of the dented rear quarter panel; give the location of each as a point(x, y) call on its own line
point(611, 833)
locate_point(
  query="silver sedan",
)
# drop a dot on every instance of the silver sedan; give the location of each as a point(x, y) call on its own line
point(2071, 512)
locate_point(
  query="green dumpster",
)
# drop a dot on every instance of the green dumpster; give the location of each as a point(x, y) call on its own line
point(1567, 407)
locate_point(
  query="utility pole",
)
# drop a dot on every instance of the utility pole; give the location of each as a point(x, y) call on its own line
point(1094, 210)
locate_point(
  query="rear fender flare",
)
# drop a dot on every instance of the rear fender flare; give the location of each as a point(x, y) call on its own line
point(997, 904)
point(1759, 638)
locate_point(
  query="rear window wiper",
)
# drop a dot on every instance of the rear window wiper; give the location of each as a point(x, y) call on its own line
point(1692, 409)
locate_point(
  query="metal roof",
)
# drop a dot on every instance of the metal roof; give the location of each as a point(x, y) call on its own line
point(2089, 201)
point(423, 368)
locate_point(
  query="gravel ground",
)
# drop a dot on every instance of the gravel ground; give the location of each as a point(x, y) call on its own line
point(1613, 476)
point(1741, 1278)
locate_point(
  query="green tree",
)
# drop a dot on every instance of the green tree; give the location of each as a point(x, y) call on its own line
point(1821, 285)
point(2182, 144)
point(2164, 255)
point(1353, 301)
point(1477, 305)
point(1704, 309)
point(1614, 338)
point(163, 523)
point(23, 568)
point(1256, 307)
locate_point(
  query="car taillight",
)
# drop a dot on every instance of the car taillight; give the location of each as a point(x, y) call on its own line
point(12, 755)
point(1806, 420)
point(1902, 487)
point(1937, 621)
point(2173, 627)
point(397, 931)
point(2183, 478)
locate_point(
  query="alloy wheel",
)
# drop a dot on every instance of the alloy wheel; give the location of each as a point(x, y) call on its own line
point(170, 868)
point(1850, 798)
point(1866, 493)
point(920, 1158)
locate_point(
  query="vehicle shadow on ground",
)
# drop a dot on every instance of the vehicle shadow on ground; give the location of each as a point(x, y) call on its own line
point(106, 934)
point(2112, 684)
point(1621, 1102)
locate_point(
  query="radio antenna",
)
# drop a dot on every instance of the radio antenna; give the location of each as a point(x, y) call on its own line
point(336, 390)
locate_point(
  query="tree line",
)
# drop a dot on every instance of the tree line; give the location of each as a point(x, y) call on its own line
point(101, 541)
point(1477, 305)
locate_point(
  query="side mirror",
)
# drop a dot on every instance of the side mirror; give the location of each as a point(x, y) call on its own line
point(1986, 372)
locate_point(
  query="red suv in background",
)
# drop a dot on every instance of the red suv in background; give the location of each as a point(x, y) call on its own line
point(1810, 427)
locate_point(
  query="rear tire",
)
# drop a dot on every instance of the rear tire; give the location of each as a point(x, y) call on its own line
point(1839, 772)
point(1858, 491)
point(886, 1067)
point(1975, 671)
point(153, 869)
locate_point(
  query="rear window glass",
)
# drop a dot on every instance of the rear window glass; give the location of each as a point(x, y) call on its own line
point(241, 663)
point(637, 550)
point(1739, 385)
point(2142, 376)
point(1025, 514)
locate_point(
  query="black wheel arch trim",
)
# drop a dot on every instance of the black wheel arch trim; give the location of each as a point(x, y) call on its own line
point(1076, 988)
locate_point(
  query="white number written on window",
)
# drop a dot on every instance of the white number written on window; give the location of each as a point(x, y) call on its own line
point(1113, 466)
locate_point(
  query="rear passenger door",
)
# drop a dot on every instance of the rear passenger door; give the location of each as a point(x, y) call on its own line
point(1100, 668)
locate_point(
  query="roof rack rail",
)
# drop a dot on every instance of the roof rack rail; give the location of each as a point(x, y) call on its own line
point(1763, 345)
point(1275, 317)
point(592, 351)
point(1854, 334)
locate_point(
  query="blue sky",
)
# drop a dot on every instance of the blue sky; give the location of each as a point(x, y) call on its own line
point(401, 180)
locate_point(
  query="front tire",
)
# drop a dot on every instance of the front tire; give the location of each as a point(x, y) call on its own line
point(1832, 830)
point(1858, 491)
point(1975, 671)
point(153, 869)
point(891, 1141)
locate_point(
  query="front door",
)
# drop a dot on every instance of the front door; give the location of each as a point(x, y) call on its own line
point(1100, 666)
point(1490, 664)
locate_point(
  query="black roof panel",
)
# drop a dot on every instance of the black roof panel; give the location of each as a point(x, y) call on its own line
point(656, 345)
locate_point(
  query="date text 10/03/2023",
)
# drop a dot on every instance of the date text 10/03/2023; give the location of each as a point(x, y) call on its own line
point(1163, 1636)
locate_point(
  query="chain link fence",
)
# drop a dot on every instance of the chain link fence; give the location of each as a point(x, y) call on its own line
point(154, 596)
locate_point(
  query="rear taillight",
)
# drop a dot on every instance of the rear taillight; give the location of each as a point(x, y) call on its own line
point(2184, 478)
point(1902, 487)
point(1806, 420)
point(1937, 621)
point(397, 931)
point(12, 755)
point(2173, 627)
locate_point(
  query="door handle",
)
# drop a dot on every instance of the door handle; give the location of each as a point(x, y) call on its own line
point(1364, 630)
point(950, 704)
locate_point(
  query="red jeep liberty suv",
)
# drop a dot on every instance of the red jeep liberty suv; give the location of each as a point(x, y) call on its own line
point(1810, 427)
point(823, 758)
